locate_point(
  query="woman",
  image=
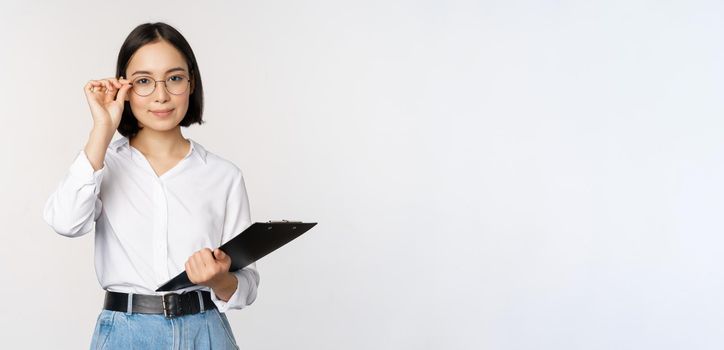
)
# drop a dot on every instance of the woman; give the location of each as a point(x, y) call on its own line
point(161, 203)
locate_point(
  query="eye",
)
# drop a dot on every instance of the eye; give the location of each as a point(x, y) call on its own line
point(142, 81)
point(176, 78)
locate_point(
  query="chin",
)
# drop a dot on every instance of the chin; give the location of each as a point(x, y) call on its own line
point(161, 125)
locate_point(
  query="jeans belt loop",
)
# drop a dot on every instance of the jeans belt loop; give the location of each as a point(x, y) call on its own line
point(129, 306)
point(201, 301)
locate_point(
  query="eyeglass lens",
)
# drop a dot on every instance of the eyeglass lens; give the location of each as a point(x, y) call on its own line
point(176, 85)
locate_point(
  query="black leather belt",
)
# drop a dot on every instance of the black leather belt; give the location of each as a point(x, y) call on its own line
point(170, 305)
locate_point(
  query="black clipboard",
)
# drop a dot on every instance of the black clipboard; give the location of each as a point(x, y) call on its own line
point(258, 240)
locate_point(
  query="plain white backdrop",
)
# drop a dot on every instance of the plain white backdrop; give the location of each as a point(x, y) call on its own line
point(486, 175)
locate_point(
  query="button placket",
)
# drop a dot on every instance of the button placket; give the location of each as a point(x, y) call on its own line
point(160, 231)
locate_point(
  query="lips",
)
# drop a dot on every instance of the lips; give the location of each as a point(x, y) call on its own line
point(162, 112)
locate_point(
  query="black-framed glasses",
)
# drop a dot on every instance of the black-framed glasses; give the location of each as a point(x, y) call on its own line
point(175, 85)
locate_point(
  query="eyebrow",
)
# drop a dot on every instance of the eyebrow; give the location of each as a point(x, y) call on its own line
point(168, 71)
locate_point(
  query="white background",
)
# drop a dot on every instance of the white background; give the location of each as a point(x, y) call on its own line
point(486, 175)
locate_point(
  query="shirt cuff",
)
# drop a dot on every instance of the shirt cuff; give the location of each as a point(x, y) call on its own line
point(81, 171)
point(240, 298)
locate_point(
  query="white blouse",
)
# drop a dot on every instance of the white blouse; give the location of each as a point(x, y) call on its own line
point(147, 226)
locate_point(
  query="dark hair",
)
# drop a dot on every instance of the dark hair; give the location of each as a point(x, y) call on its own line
point(150, 33)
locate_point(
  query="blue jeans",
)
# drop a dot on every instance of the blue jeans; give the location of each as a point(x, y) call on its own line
point(209, 329)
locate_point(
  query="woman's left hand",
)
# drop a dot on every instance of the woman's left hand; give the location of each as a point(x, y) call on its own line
point(203, 269)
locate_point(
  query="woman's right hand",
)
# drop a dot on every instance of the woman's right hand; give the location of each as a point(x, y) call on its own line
point(106, 98)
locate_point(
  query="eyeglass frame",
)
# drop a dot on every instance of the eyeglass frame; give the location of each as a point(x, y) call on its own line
point(155, 84)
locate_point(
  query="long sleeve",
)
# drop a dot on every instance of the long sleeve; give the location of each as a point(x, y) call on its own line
point(75, 205)
point(236, 220)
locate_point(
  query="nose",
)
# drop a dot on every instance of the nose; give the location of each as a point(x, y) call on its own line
point(160, 94)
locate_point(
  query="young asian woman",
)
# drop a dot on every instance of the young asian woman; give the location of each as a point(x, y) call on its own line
point(160, 203)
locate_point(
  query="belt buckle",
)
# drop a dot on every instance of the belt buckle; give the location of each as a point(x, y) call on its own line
point(171, 305)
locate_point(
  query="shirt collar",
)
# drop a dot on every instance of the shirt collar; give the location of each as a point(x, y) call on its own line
point(123, 145)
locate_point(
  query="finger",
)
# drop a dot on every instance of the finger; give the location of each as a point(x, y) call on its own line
point(124, 81)
point(197, 269)
point(88, 88)
point(109, 87)
point(110, 93)
point(123, 92)
point(191, 271)
point(114, 84)
point(99, 87)
point(119, 82)
point(108, 79)
point(93, 85)
point(220, 255)
point(224, 260)
point(207, 256)
point(123, 86)
point(198, 259)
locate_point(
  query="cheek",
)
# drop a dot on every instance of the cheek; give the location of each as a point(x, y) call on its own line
point(182, 106)
point(137, 107)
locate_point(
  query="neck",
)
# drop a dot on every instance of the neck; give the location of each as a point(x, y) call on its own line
point(160, 143)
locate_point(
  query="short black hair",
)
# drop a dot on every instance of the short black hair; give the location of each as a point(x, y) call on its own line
point(149, 33)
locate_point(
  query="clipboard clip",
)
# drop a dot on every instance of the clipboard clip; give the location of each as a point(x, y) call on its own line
point(284, 222)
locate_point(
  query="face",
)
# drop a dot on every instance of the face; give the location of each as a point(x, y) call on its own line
point(162, 62)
